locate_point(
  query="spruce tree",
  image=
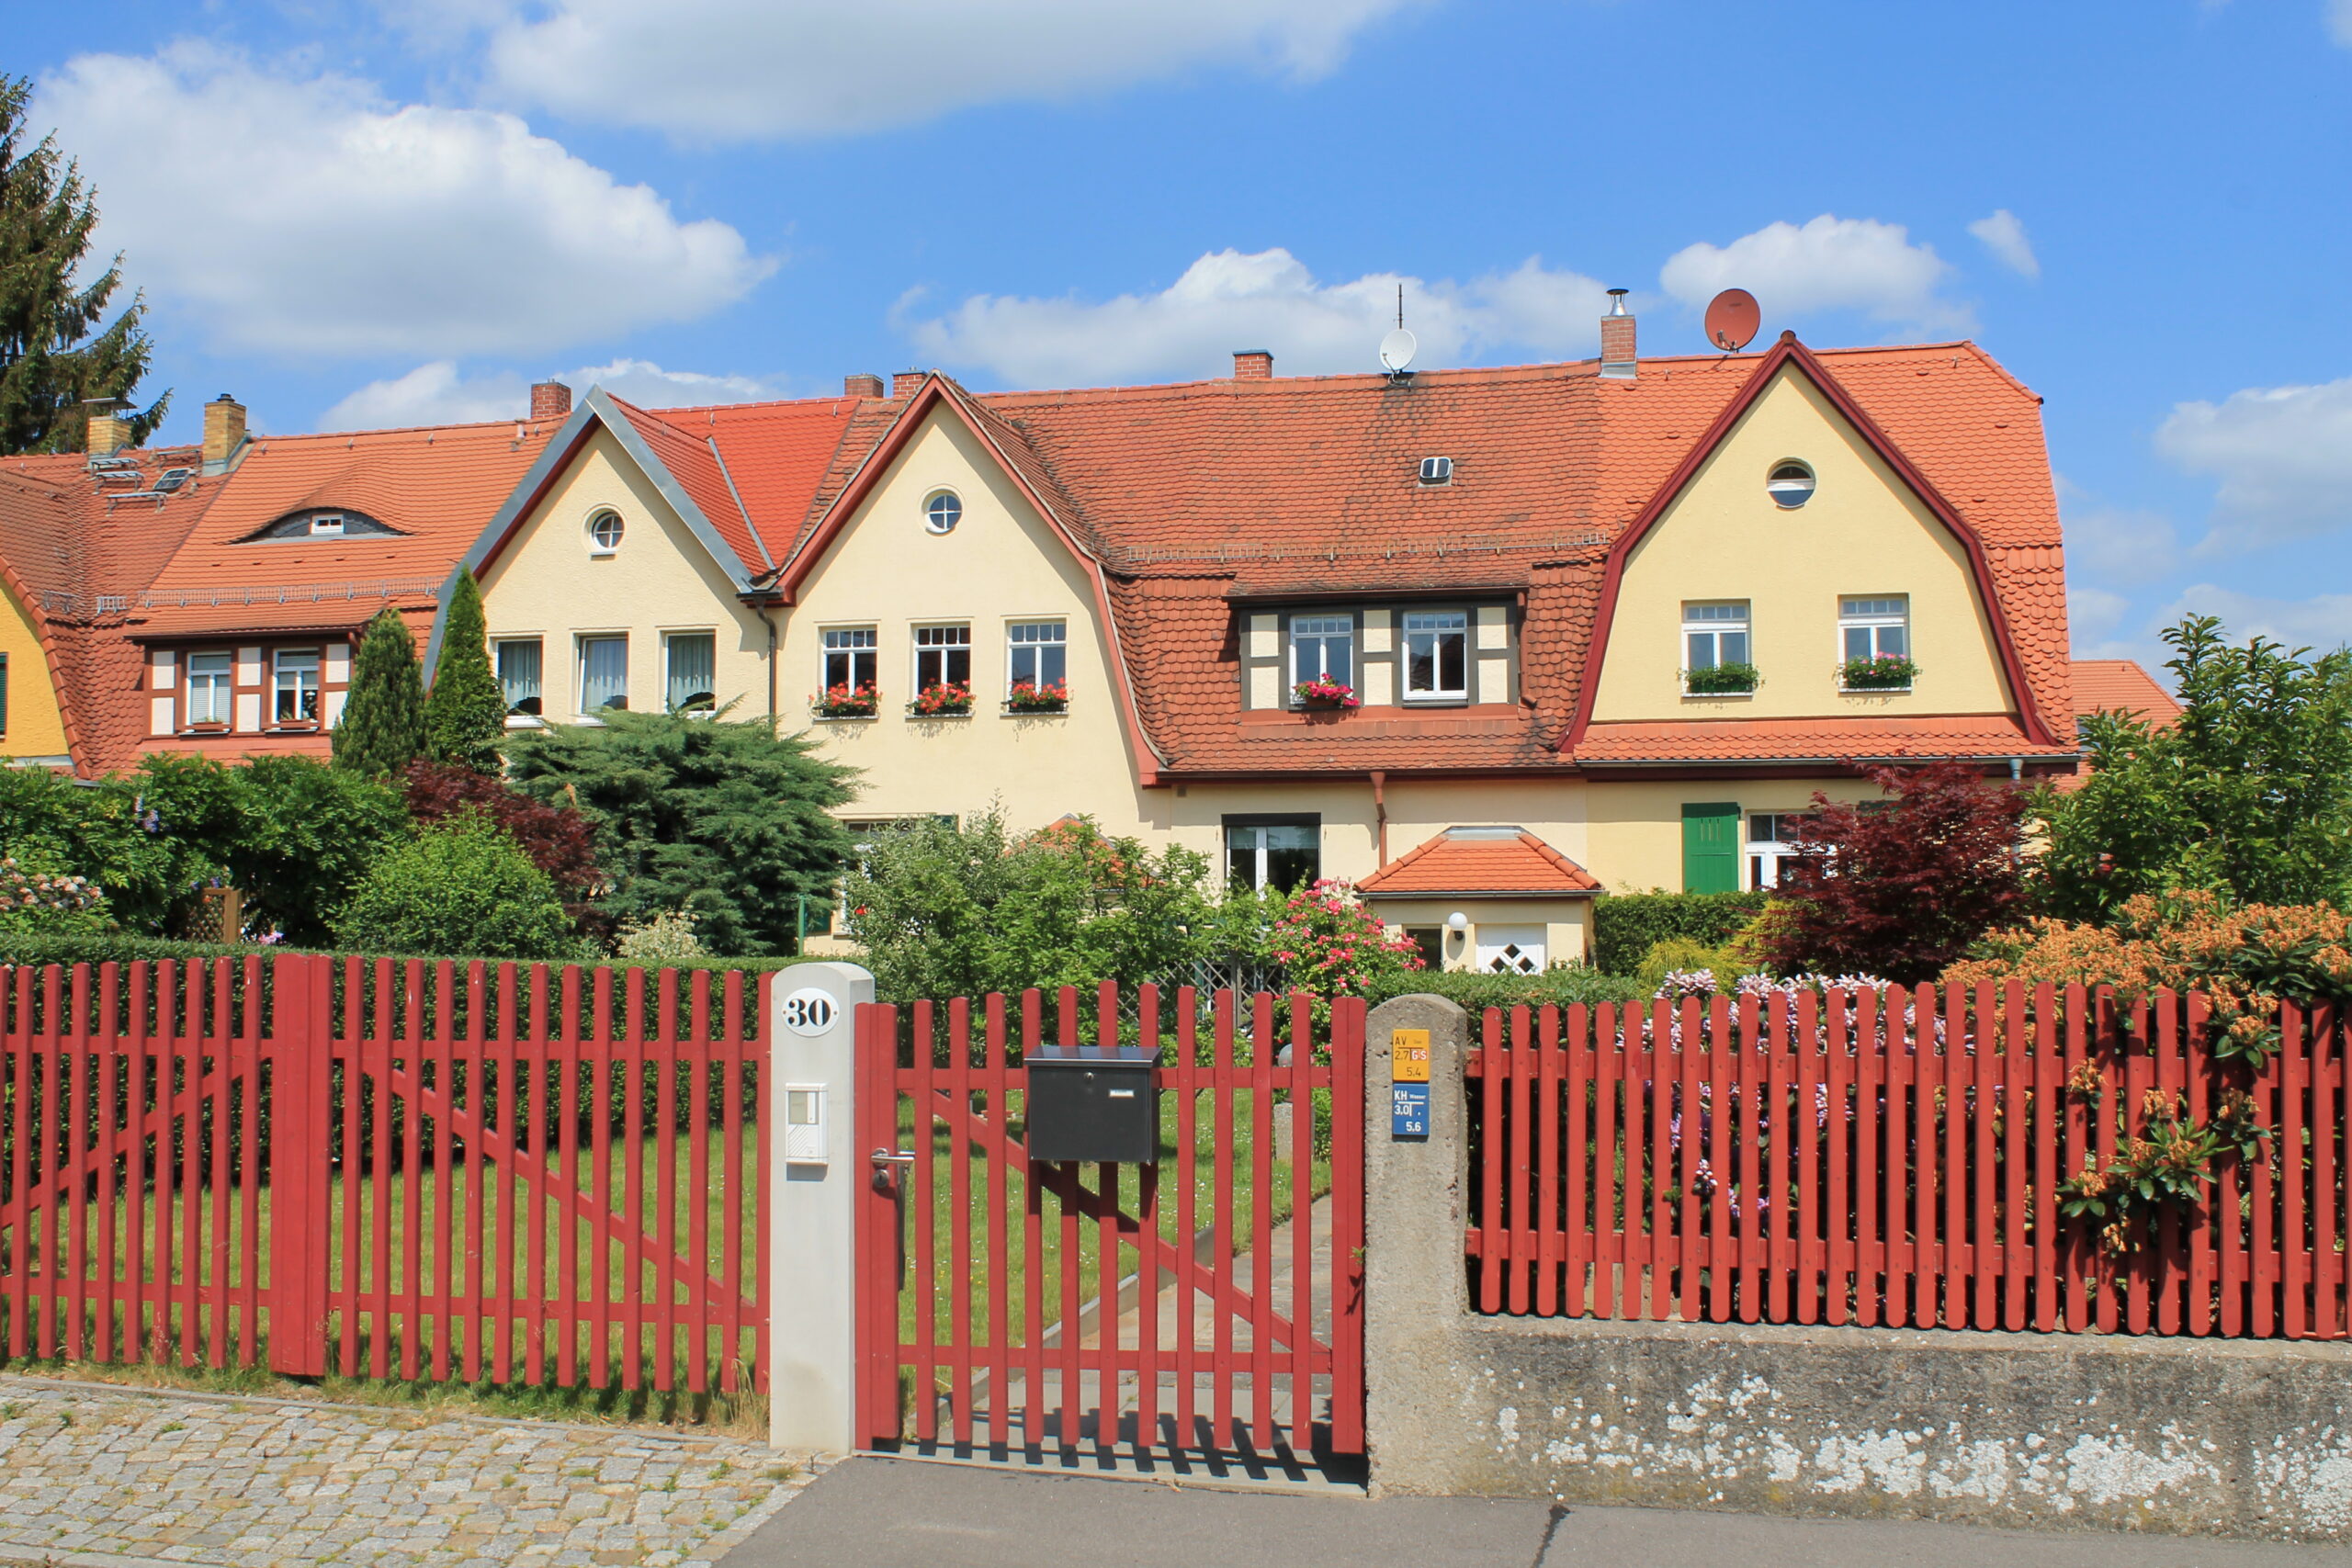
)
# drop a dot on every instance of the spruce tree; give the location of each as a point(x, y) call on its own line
point(465, 716)
point(382, 729)
point(50, 360)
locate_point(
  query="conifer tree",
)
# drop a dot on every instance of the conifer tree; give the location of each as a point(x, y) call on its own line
point(382, 729)
point(53, 354)
point(465, 716)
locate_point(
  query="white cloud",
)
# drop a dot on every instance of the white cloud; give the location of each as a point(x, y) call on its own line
point(2004, 235)
point(2282, 456)
point(1229, 301)
point(310, 216)
point(2093, 616)
point(724, 70)
point(1830, 263)
point(436, 393)
point(2115, 545)
point(2321, 622)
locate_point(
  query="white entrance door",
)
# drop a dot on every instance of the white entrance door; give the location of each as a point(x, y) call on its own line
point(1509, 950)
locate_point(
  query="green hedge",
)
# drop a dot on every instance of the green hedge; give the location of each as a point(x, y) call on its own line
point(1624, 927)
point(123, 947)
point(1477, 992)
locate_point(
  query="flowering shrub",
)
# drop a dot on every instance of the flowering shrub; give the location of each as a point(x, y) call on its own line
point(2245, 959)
point(660, 940)
point(939, 701)
point(2170, 1158)
point(1716, 679)
point(1886, 672)
point(1330, 945)
point(845, 701)
point(1027, 696)
point(1324, 691)
point(39, 900)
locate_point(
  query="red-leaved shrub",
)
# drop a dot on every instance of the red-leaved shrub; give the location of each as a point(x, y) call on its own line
point(560, 840)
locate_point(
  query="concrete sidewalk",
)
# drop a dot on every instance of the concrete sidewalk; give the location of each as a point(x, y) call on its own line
point(873, 1513)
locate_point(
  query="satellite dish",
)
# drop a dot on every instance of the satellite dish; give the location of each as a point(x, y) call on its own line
point(1731, 319)
point(1397, 350)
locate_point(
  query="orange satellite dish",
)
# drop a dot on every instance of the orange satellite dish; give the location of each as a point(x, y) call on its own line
point(1731, 319)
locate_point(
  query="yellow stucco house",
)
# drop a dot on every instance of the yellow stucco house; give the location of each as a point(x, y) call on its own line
point(1483, 642)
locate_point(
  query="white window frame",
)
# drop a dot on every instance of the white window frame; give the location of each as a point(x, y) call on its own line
point(1875, 618)
point(940, 521)
point(329, 524)
point(944, 645)
point(1716, 628)
point(220, 683)
point(285, 662)
point(1327, 625)
point(598, 546)
point(1409, 633)
point(1259, 851)
point(869, 652)
point(580, 675)
point(1020, 638)
point(669, 671)
point(1766, 855)
point(498, 648)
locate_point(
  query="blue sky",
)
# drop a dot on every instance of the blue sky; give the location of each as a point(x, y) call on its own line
point(404, 211)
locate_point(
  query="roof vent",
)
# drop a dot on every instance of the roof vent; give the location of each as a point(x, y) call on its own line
point(1437, 470)
point(1496, 830)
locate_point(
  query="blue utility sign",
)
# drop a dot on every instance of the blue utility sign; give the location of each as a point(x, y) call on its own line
point(1408, 1111)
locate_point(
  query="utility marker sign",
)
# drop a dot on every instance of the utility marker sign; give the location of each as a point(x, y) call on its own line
point(1408, 1111)
point(1408, 1070)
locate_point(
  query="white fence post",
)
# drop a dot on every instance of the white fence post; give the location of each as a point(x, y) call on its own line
point(815, 1168)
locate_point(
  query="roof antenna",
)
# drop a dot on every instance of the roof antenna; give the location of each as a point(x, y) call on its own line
point(1397, 348)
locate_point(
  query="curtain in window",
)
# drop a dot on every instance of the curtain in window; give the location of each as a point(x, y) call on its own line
point(518, 675)
point(604, 673)
point(693, 672)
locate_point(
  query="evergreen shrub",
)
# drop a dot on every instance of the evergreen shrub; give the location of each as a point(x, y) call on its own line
point(1626, 926)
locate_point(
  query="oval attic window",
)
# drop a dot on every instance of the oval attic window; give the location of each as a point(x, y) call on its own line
point(943, 512)
point(605, 533)
point(1791, 484)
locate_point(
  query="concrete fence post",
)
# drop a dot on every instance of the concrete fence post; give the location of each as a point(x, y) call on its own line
point(814, 1170)
point(1416, 1398)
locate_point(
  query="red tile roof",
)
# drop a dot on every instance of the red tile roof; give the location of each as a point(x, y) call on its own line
point(1464, 862)
point(1810, 741)
point(2121, 686)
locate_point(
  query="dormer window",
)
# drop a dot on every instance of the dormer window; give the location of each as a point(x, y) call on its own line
point(1437, 470)
point(324, 522)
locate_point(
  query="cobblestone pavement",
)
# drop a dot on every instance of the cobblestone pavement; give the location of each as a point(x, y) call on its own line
point(131, 1476)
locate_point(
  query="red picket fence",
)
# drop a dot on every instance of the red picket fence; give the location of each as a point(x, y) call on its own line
point(486, 1173)
point(1872, 1161)
point(1166, 1309)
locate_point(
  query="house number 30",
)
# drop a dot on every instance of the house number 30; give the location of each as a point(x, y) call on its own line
point(809, 1011)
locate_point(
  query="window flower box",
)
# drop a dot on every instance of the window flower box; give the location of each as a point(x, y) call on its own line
point(1320, 693)
point(1721, 680)
point(1884, 672)
point(209, 726)
point(846, 702)
point(941, 701)
point(1027, 696)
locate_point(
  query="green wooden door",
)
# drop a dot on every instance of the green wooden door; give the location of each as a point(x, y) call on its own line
point(1711, 848)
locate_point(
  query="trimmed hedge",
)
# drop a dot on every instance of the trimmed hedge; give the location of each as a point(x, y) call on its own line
point(1625, 927)
point(124, 947)
point(1476, 992)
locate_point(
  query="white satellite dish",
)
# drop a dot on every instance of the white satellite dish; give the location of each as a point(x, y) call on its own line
point(1397, 350)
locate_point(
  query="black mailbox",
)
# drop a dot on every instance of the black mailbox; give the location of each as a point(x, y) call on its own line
point(1093, 1106)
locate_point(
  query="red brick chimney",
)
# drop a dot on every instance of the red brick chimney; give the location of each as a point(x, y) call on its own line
point(1617, 339)
point(904, 382)
point(862, 385)
point(550, 400)
point(1253, 364)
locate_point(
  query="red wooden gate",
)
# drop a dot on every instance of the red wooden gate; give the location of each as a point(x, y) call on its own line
point(1205, 1311)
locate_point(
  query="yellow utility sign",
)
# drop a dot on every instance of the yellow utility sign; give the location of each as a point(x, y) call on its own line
point(1409, 1055)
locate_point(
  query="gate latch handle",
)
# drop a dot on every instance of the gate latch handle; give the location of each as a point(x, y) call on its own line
point(884, 1158)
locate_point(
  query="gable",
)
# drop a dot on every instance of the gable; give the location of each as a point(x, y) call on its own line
point(35, 724)
point(1866, 532)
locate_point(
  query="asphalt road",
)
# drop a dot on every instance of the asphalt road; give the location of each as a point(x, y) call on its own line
point(872, 1513)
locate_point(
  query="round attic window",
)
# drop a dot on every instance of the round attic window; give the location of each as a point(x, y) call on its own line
point(942, 512)
point(1789, 485)
point(605, 533)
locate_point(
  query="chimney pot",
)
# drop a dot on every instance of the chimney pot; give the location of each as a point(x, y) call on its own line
point(224, 432)
point(1253, 364)
point(1617, 357)
point(550, 399)
point(904, 382)
point(863, 384)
